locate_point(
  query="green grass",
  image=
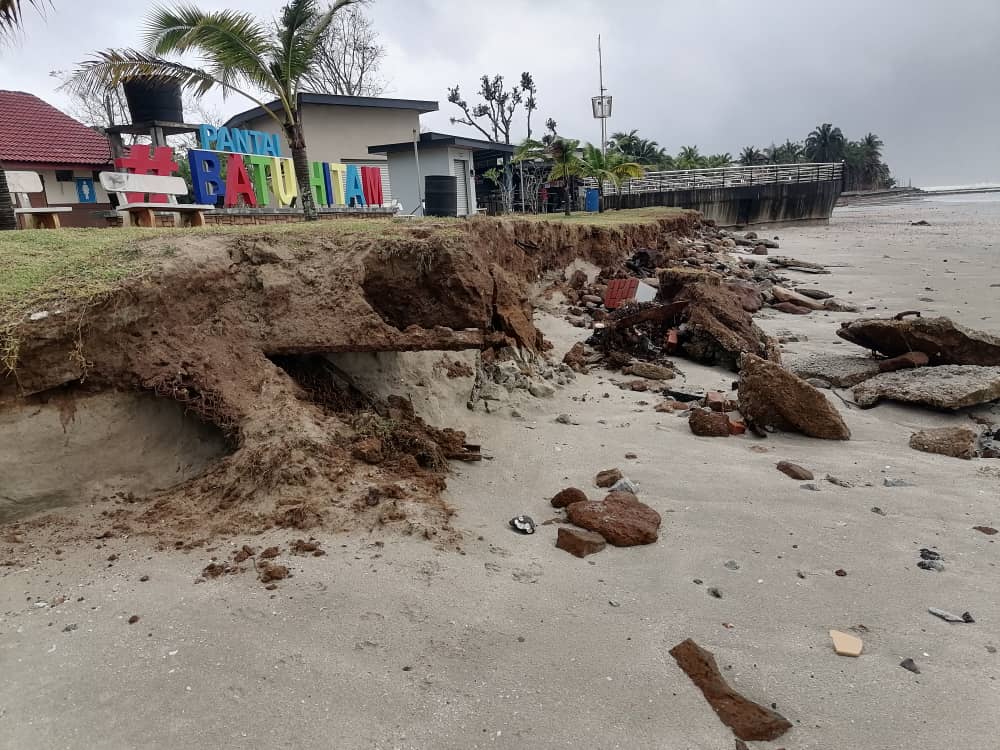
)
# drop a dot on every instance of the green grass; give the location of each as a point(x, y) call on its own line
point(609, 217)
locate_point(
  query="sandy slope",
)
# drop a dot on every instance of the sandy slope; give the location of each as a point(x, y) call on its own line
point(515, 644)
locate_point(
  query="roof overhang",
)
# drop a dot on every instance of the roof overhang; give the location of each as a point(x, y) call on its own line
point(442, 140)
point(336, 100)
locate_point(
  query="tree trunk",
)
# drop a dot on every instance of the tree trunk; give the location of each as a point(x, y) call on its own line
point(7, 218)
point(569, 187)
point(297, 143)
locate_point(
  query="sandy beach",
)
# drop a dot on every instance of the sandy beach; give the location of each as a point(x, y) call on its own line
point(388, 642)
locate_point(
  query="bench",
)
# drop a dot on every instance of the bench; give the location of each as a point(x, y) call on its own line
point(20, 185)
point(144, 213)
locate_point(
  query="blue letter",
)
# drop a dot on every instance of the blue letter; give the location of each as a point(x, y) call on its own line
point(205, 174)
point(207, 134)
point(355, 194)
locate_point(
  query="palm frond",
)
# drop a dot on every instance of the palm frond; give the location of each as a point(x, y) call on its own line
point(12, 13)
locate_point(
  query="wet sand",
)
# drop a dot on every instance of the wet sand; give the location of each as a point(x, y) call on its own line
point(389, 643)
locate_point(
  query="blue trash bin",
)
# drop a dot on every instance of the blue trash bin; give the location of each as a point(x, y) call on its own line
point(593, 201)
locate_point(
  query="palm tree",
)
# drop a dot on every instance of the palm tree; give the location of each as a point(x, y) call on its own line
point(238, 54)
point(639, 150)
point(873, 171)
point(719, 160)
point(567, 164)
point(611, 167)
point(751, 156)
point(689, 158)
point(11, 14)
point(825, 144)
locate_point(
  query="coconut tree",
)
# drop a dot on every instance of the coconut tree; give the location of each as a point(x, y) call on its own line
point(719, 160)
point(825, 144)
point(610, 167)
point(11, 14)
point(751, 156)
point(238, 54)
point(689, 158)
point(565, 164)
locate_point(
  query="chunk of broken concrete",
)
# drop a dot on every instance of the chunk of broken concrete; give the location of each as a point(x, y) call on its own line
point(787, 295)
point(608, 477)
point(579, 542)
point(770, 396)
point(945, 387)
point(748, 720)
point(957, 442)
point(846, 644)
point(650, 371)
point(568, 496)
point(841, 370)
point(708, 423)
point(904, 362)
point(945, 615)
point(794, 471)
point(620, 518)
point(944, 342)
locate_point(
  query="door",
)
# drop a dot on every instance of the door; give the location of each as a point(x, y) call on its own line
point(462, 185)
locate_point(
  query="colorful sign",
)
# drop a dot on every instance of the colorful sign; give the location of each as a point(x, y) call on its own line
point(256, 174)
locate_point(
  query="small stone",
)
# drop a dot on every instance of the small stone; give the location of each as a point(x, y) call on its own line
point(565, 419)
point(541, 390)
point(613, 603)
point(888, 482)
point(988, 530)
point(991, 649)
point(651, 371)
point(630, 456)
point(144, 579)
point(697, 581)
point(935, 565)
point(838, 482)
point(133, 619)
point(845, 644)
point(910, 665)
point(957, 442)
point(731, 565)
point(929, 554)
point(370, 450)
point(608, 477)
point(877, 510)
point(579, 542)
point(715, 593)
point(638, 386)
point(70, 628)
point(840, 572)
point(794, 470)
point(568, 496)
point(812, 486)
point(945, 615)
point(967, 617)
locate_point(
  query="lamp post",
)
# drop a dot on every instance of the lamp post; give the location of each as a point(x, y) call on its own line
point(601, 105)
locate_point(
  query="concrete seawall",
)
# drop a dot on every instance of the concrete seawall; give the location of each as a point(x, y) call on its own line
point(774, 203)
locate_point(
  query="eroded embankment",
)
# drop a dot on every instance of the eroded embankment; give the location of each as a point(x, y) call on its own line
point(232, 326)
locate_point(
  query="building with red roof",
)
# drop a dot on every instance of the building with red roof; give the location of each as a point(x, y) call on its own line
point(67, 155)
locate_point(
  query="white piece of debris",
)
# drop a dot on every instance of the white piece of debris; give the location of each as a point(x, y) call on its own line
point(41, 315)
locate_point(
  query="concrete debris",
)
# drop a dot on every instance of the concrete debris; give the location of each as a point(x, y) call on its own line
point(579, 542)
point(904, 362)
point(957, 442)
point(943, 341)
point(840, 370)
point(781, 294)
point(708, 423)
point(625, 485)
point(620, 518)
point(910, 665)
point(650, 371)
point(794, 264)
point(748, 720)
point(988, 530)
point(945, 387)
point(770, 396)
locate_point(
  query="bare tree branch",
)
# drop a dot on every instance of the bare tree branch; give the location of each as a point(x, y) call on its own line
point(350, 58)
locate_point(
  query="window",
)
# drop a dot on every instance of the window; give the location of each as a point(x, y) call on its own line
point(64, 175)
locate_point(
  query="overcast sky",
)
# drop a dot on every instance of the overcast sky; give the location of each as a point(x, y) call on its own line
point(922, 74)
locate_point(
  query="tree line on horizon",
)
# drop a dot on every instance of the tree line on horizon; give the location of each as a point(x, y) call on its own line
point(864, 168)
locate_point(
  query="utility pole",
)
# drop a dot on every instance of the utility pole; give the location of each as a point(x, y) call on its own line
point(604, 122)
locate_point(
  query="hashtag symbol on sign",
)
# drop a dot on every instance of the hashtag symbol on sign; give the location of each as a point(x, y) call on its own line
point(141, 161)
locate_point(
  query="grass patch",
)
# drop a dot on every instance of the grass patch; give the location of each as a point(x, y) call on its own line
point(609, 217)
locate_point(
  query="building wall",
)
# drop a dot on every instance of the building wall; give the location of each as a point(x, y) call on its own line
point(455, 154)
point(55, 193)
point(433, 161)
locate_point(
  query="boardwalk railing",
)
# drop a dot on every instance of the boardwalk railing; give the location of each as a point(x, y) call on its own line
point(722, 177)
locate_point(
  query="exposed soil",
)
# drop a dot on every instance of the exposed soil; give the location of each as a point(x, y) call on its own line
point(235, 327)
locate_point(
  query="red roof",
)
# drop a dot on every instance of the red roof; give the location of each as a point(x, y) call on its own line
point(33, 132)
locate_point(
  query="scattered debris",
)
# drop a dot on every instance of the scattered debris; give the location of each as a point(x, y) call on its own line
point(731, 565)
point(650, 371)
point(708, 423)
point(608, 477)
point(890, 482)
point(944, 342)
point(988, 530)
point(625, 485)
point(949, 617)
point(748, 720)
point(133, 619)
point(936, 565)
point(773, 397)
point(620, 518)
point(523, 524)
point(878, 511)
point(921, 223)
point(579, 542)
point(839, 482)
point(957, 442)
point(840, 572)
point(568, 496)
point(906, 361)
point(944, 387)
point(268, 571)
point(794, 470)
point(714, 593)
point(845, 644)
point(910, 665)
point(840, 370)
